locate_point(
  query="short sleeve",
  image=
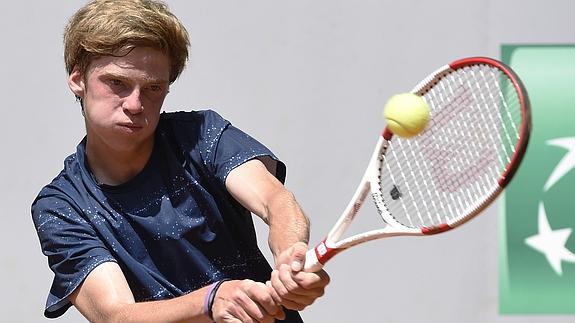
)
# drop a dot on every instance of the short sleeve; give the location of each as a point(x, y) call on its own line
point(235, 147)
point(71, 245)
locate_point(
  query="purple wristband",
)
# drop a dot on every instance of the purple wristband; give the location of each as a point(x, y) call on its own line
point(207, 298)
point(210, 296)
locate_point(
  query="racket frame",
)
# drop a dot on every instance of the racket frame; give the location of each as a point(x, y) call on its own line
point(370, 183)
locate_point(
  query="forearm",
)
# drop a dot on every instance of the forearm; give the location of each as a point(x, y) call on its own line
point(261, 193)
point(105, 296)
point(288, 224)
point(187, 308)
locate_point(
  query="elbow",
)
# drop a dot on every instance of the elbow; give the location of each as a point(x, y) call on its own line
point(284, 209)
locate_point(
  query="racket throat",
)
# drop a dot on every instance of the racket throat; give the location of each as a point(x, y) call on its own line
point(318, 256)
point(325, 253)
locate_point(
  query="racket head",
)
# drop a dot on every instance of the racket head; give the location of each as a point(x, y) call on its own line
point(477, 136)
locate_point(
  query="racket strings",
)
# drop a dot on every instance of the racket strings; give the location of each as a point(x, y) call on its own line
point(391, 173)
point(446, 173)
point(426, 187)
point(496, 93)
point(484, 100)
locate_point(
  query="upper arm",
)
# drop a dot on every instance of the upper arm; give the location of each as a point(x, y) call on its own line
point(253, 186)
point(70, 242)
point(102, 293)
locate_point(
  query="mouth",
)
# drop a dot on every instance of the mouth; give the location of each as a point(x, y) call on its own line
point(130, 126)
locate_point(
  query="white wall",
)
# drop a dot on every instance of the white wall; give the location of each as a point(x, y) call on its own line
point(309, 79)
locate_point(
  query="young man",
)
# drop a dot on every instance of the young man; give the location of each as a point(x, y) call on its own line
point(149, 221)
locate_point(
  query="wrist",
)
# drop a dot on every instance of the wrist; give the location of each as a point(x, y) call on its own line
point(211, 296)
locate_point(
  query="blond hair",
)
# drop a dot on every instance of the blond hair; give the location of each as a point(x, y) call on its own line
point(115, 27)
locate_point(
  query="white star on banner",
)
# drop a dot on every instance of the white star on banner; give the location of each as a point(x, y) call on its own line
point(551, 242)
point(566, 164)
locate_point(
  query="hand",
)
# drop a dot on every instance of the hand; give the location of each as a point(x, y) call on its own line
point(245, 301)
point(292, 287)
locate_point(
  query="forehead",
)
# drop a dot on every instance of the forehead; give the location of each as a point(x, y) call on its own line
point(141, 62)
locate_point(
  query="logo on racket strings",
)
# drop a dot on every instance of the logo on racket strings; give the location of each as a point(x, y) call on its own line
point(395, 193)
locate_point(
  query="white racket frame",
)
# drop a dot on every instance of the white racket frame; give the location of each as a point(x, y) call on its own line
point(370, 183)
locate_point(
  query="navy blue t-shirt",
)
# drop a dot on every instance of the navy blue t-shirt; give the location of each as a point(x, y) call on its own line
point(172, 229)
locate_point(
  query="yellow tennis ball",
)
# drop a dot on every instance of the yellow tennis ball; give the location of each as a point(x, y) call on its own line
point(406, 114)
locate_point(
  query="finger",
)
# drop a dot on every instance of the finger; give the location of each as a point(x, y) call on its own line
point(253, 311)
point(312, 284)
point(231, 320)
point(234, 313)
point(273, 292)
point(290, 305)
point(288, 279)
point(260, 294)
point(280, 315)
point(298, 256)
point(277, 285)
point(288, 290)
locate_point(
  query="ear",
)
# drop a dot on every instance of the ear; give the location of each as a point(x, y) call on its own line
point(76, 83)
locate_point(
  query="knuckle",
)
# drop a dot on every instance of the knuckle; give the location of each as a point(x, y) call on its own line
point(292, 287)
point(245, 285)
point(239, 295)
point(261, 317)
point(266, 298)
point(282, 293)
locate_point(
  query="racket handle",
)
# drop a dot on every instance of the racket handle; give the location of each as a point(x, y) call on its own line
point(312, 264)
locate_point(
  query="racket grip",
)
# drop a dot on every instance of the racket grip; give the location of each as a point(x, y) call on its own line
point(312, 264)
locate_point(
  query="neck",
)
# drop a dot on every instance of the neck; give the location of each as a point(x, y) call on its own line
point(113, 167)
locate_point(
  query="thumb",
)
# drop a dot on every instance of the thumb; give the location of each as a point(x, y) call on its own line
point(299, 250)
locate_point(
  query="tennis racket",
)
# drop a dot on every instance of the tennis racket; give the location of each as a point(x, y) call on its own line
point(478, 131)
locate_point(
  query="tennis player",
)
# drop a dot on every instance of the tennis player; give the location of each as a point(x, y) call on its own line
point(149, 220)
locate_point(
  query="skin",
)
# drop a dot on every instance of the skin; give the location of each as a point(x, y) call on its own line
point(122, 99)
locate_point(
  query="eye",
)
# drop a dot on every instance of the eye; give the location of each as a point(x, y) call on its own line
point(155, 88)
point(115, 83)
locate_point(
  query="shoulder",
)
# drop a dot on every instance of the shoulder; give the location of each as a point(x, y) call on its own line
point(190, 129)
point(63, 192)
point(196, 119)
point(63, 182)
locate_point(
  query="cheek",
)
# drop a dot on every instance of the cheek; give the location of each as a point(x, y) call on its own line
point(95, 117)
point(100, 98)
point(153, 108)
point(99, 110)
point(152, 117)
point(154, 99)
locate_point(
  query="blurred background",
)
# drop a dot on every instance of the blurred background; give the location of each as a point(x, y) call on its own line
point(309, 80)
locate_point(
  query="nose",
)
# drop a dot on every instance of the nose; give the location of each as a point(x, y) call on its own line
point(133, 103)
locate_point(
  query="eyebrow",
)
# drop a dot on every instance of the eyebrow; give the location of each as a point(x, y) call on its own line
point(148, 80)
